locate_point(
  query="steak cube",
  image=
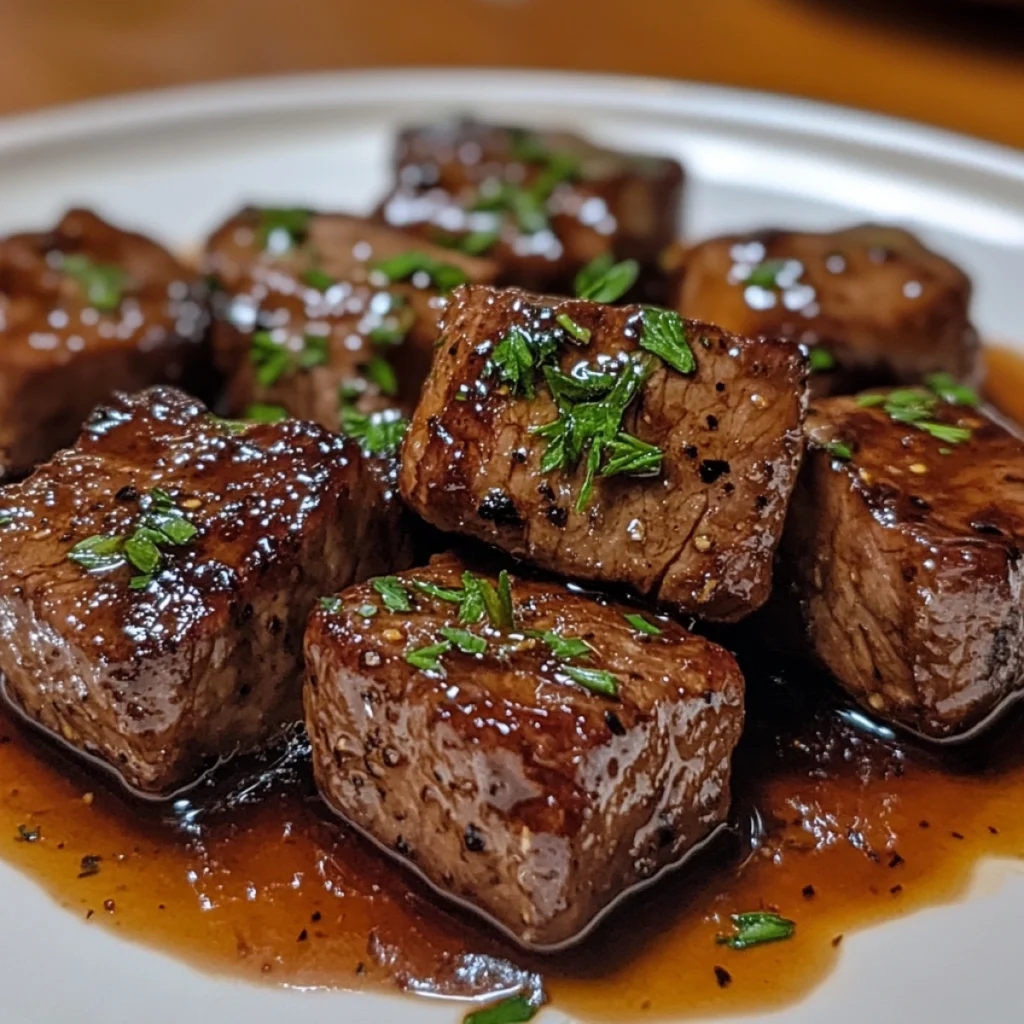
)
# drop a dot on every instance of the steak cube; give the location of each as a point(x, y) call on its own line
point(621, 445)
point(155, 580)
point(87, 309)
point(316, 313)
point(542, 204)
point(872, 303)
point(903, 552)
point(531, 752)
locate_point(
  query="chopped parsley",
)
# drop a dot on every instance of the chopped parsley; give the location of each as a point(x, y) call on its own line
point(380, 372)
point(573, 329)
point(596, 680)
point(442, 593)
point(476, 243)
point(393, 593)
point(468, 643)
point(367, 611)
point(821, 359)
point(951, 391)
point(497, 603)
point(513, 1010)
point(260, 412)
point(444, 276)
point(428, 659)
point(331, 604)
point(161, 525)
point(472, 607)
point(756, 930)
point(641, 625)
point(274, 360)
point(280, 229)
point(917, 407)
point(103, 283)
point(318, 279)
point(564, 647)
point(766, 274)
point(839, 450)
point(514, 360)
point(604, 280)
point(379, 433)
point(592, 429)
point(664, 334)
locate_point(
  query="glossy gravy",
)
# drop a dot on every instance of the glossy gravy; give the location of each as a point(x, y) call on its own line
point(835, 826)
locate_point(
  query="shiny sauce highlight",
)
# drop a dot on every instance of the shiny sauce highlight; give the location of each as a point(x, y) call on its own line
point(836, 825)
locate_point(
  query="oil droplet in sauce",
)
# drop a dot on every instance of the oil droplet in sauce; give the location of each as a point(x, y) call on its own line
point(834, 826)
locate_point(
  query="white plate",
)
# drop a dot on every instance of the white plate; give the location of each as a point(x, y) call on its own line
point(175, 163)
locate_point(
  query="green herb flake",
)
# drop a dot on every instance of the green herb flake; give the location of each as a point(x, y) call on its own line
point(476, 243)
point(821, 359)
point(596, 680)
point(472, 608)
point(281, 228)
point(641, 625)
point(951, 391)
point(428, 659)
point(628, 454)
point(573, 329)
point(917, 407)
point(513, 1010)
point(379, 433)
point(604, 280)
point(497, 603)
point(441, 593)
point(564, 647)
point(260, 412)
point(468, 643)
point(379, 371)
point(318, 279)
point(331, 604)
point(98, 553)
point(143, 553)
point(839, 450)
point(513, 360)
point(103, 283)
point(664, 334)
point(765, 274)
point(756, 930)
point(367, 611)
point(393, 593)
point(444, 276)
point(315, 351)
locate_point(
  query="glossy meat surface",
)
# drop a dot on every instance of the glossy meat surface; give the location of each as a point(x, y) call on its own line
point(699, 531)
point(160, 670)
point(906, 563)
point(509, 786)
point(543, 204)
point(875, 304)
point(87, 309)
point(305, 321)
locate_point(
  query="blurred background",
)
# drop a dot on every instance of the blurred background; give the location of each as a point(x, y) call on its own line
point(957, 65)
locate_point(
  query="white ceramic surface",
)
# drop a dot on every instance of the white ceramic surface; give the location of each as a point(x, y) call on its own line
point(175, 163)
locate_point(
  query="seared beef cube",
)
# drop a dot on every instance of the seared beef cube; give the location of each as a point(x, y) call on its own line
point(903, 548)
point(621, 445)
point(86, 309)
point(533, 753)
point(316, 313)
point(872, 303)
point(155, 580)
point(543, 204)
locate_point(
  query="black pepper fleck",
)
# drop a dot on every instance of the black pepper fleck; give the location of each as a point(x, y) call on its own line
point(711, 469)
point(723, 977)
point(474, 839)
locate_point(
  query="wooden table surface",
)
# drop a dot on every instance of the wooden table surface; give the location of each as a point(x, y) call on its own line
point(959, 66)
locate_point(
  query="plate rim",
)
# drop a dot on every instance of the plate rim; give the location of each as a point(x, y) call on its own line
point(270, 95)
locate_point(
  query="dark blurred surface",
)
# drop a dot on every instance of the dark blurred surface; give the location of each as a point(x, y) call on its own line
point(958, 65)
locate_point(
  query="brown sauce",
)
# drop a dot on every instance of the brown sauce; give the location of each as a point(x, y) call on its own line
point(250, 876)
